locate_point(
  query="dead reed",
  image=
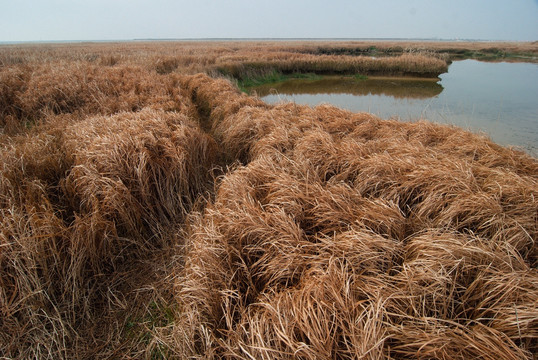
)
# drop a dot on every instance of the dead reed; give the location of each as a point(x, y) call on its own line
point(31, 93)
point(82, 198)
point(193, 57)
point(346, 236)
point(328, 234)
point(240, 67)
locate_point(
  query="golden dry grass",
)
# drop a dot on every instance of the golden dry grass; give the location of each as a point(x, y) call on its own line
point(195, 56)
point(417, 65)
point(346, 236)
point(146, 213)
point(83, 195)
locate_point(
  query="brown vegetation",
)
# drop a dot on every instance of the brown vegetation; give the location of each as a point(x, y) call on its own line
point(191, 56)
point(83, 195)
point(346, 236)
point(240, 67)
point(149, 213)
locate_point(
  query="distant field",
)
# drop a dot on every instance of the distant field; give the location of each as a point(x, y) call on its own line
point(149, 209)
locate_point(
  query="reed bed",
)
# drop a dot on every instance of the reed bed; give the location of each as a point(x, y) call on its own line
point(404, 65)
point(30, 94)
point(345, 236)
point(147, 212)
point(84, 197)
point(192, 56)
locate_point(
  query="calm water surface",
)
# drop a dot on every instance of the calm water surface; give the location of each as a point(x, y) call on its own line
point(499, 99)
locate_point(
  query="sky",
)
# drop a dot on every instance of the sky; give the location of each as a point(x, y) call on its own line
point(57, 20)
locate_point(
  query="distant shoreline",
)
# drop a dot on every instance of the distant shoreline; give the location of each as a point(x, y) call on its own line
point(31, 42)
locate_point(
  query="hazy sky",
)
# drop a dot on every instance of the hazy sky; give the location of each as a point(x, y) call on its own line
point(29, 20)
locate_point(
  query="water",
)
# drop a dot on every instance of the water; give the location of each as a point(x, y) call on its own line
point(499, 99)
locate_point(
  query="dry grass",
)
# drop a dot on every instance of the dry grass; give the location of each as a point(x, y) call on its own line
point(346, 236)
point(82, 198)
point(191, 56)
point(31, 94)
point(417, 65)
point(327, 234)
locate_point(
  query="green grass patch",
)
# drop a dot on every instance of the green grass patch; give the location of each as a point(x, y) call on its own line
point(140, 328)
point(272, 77)
point(360, 77)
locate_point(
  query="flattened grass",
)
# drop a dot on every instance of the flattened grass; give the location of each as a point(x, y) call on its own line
point(83, 196)
point(327, 234)
point(342, 235)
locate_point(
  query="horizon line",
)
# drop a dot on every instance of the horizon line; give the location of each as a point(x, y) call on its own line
point(15, 42)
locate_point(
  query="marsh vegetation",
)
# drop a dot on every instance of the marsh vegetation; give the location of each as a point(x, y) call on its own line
point(150, 209)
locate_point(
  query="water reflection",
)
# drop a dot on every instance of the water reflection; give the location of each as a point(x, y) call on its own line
point(397, 88)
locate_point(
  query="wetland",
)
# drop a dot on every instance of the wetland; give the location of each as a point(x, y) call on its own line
point(498, 99)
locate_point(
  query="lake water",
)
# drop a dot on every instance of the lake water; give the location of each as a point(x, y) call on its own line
point(499, 99)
